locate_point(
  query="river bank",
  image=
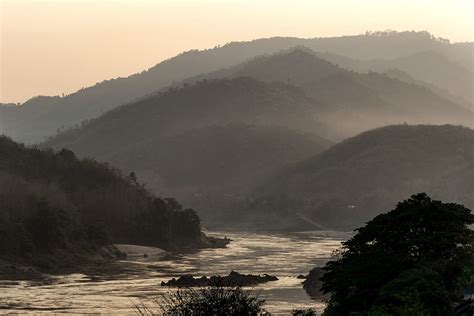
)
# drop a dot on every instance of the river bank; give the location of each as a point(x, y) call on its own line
point(61, 261)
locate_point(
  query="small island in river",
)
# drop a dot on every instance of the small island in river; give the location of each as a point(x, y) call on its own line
point(233, 279)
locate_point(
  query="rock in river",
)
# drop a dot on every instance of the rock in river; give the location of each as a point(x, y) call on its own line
point(233, 279)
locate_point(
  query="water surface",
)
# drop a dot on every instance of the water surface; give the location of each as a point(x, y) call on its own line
point(116, 288)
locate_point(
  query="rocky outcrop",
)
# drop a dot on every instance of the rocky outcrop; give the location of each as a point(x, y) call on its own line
point(214, 242)
point(233, 279)
point(312, 284)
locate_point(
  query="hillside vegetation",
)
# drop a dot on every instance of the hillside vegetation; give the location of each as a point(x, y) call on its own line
point(354, 180)
point(54, 204)
point(206, 103)
point(207, 167)
point(352, 102)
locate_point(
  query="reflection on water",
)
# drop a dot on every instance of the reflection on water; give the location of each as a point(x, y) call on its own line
point(115, 288)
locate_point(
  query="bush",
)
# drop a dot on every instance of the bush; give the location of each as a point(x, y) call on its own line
point(214, 300)
point(303, 312)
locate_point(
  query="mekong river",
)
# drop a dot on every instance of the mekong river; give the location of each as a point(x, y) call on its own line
point(138, 281)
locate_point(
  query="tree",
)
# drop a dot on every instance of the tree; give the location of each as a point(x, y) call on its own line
point(214, 300)
point(424, 241)
point(49, 227)
point(414, 292)
point(57, 207)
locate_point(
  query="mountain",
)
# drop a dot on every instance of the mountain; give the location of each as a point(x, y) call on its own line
point(183, 140)
point(176, 110)
point(215, 137)
point(436, 70)
point(211, 166)
point(55, 207)
point(353, 101)
point(396, 73)
point(225, 157)
point(356, 179)
point(42, 116)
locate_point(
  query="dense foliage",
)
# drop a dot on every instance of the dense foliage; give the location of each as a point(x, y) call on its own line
point(214, 300)
point(410, 261)
point(350, 183)
point(51, 201)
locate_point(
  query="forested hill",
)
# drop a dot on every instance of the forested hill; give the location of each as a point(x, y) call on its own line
point(170, 138)
point(41, 117)
point(356, 179)
point(177, 110)
point(210, 166)
point(54, 203)
point(215, 138)
point(354, 101)
point(231, 157)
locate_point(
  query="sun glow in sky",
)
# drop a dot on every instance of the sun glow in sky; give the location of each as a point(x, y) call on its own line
point(50, 47)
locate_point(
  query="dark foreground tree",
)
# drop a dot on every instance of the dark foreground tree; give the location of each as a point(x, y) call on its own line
point(410, 261)
point(214, 300)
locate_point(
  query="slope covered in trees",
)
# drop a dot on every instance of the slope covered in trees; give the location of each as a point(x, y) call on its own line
point(41, 117)
point(204, 142)
point(54, 204)
point(177, 110)
point(207, 142)
point(170, 139)
point(354, 101)
point(211, 166)
point(354, 180)
point(328, 101)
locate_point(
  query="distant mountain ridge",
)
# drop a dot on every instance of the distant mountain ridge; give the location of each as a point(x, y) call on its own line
point(206, 103)
point(41, 117)
point(352, 97)
point(172, 139)
point(430, 67)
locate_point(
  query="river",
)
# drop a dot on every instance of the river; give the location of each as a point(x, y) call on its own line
point(116, 288)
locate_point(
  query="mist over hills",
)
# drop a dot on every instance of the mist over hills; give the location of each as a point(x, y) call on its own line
point(328, 101)
point(282, 175)
point(216, 162)
point(354, 180)
point(216, 128)
point(431, 68)
point(206, 103)
point(367, 99)
point(211, 139)
point(41, 117)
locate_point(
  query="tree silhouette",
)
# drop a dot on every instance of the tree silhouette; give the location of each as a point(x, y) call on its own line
point(422, 242)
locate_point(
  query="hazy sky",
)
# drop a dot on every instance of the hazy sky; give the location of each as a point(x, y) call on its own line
point(50, 47)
